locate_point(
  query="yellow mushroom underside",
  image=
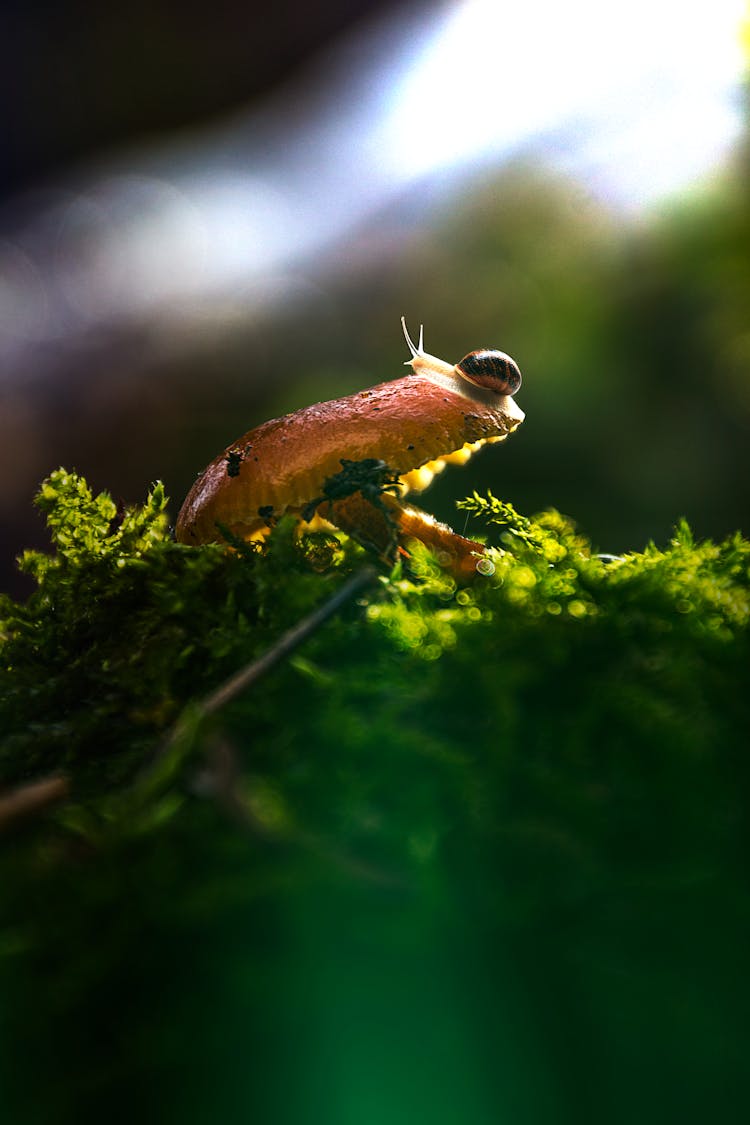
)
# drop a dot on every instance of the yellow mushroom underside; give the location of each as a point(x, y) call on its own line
point(417, 480)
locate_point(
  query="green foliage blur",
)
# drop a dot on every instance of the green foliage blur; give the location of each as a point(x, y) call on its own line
point(474, 853)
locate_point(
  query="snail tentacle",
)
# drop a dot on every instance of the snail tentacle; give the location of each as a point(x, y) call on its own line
point(416, 350)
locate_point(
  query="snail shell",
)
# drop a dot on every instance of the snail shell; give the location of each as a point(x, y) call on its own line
point(492, 369)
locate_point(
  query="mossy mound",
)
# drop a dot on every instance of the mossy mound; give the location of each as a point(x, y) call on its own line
point(501, 827)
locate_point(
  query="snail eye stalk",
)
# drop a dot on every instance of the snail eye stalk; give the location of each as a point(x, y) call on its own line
point(415, 349)
point(493, 370)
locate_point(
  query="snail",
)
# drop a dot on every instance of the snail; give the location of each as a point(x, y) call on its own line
point(485, 367)
point(407, 430)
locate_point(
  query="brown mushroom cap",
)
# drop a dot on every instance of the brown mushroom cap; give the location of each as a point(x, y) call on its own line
point(284, 464)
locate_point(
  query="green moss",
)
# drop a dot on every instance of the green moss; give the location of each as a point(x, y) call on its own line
point(127, 627)
point(554, 756)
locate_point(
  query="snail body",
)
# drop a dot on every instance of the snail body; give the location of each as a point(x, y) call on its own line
point(438, 414)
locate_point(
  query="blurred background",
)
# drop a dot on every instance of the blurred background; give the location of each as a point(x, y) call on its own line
point(213, 215)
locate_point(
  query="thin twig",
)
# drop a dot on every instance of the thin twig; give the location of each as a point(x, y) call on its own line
point(30, 800)
point(252, 672)
point(287, 643)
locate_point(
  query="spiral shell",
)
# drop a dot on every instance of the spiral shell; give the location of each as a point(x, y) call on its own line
point(491, 369)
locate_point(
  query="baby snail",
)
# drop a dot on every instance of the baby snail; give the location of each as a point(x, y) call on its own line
point(486, 367)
